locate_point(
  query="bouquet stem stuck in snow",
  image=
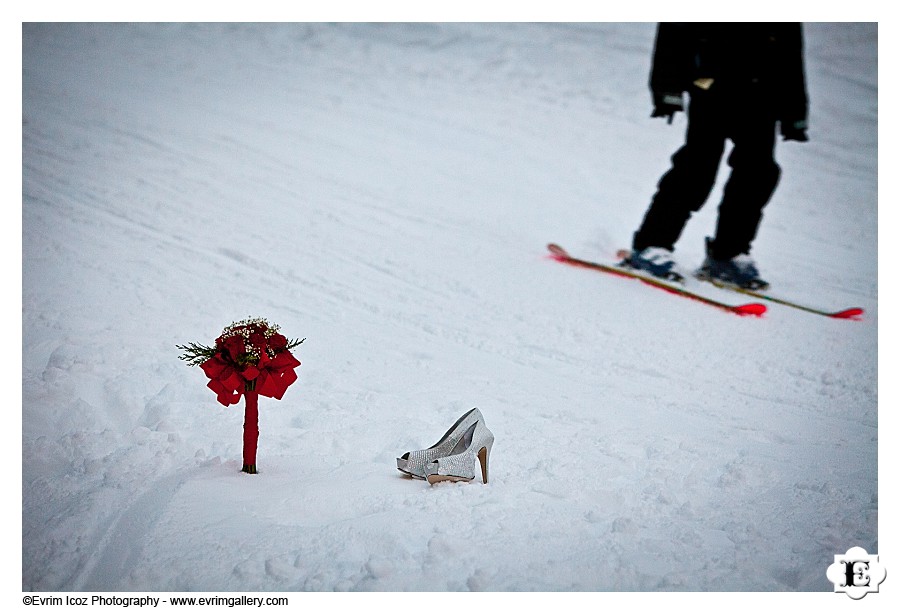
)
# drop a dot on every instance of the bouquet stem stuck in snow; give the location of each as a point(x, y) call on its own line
point(250, 358)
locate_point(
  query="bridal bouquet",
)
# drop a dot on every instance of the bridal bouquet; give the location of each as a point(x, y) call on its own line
point(250, 358)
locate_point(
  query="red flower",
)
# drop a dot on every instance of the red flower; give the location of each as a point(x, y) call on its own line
point(234, 345)
point(245, 358)
point(278, 342)
point(259, 340)
point(278, 375)
point(223, 380)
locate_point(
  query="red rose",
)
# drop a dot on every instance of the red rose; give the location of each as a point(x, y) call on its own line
point(234, 345)
point(278, 342)
point(259, 340)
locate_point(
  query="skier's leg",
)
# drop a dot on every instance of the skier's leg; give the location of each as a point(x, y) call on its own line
point(754, 177)
point(687, 184)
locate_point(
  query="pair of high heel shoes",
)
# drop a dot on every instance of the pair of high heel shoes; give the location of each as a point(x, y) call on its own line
point(457, 456)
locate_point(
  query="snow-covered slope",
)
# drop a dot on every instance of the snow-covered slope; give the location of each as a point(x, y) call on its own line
point(387, 192)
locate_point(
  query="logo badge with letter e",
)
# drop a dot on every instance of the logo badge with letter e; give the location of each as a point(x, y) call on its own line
point(856, 573)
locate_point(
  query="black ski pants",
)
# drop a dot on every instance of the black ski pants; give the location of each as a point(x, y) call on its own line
point(746, 119)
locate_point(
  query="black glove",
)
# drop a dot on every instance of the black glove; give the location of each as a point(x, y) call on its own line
point(666, 105)
point(794, 131)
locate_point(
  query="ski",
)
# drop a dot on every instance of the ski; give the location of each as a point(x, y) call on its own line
point(561, 255)
point(852, 313)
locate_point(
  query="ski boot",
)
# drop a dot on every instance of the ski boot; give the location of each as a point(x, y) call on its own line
point(739, 271)
point(657, 261)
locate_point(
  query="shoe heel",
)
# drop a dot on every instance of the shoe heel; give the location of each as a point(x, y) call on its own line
point(484, 456)
point(483, 459)
point(472, 450)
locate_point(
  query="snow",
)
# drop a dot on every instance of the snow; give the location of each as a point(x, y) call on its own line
point(387, 191)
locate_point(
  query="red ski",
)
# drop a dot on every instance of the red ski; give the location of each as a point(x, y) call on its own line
point(561, 255)
point(853, 313)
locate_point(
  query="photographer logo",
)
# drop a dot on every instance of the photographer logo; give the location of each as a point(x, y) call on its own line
point(856, 573)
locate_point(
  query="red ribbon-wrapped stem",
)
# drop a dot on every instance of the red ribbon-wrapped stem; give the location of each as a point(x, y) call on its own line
point(251, 429)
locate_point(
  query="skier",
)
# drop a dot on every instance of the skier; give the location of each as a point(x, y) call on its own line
point(743, 80)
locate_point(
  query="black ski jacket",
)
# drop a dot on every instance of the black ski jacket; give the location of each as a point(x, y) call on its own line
point(760, 61)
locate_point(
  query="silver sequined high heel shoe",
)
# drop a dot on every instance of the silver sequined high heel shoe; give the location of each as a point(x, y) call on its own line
point(413, 463)
point(461, 464)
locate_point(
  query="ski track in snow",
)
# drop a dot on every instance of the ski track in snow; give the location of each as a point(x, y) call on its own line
point(386, 191)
